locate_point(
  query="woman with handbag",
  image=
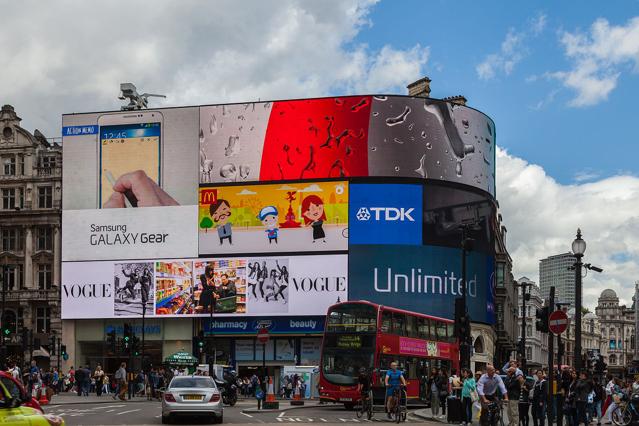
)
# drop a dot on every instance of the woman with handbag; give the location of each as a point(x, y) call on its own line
point(469, 395)
point(443, 385)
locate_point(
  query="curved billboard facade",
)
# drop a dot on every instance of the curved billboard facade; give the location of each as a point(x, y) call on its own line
point(277, 208)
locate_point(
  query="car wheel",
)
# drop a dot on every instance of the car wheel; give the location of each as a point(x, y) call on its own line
point(219, 419)
point(166, 420)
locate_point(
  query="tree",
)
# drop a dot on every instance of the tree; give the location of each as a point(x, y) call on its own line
point(206, 223)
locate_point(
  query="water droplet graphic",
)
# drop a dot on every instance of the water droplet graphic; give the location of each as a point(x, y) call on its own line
point(469, 149)
point(373, 148)
point(424, 134)
point(245, 169)
point(490, 130)
point(429, 145)
point(361, 104)
point(201, 136)
point(465, 123)
point(213, 125)
point(410, 126)
point(446, 152)
point(396, 168)
point(233, 146)
point(438, 163)
point(458, 169)
point(375, 113)
point(393, 121)
point(228, 171)
point(399, 141)
point(421, 170)
point(380, 98)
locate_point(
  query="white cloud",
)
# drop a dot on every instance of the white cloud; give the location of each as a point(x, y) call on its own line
point(287, 188)
point(598, 58)
point(512, 50)
point(193, 52)
point(246, 192)
point(542, 217)
point(311, 188)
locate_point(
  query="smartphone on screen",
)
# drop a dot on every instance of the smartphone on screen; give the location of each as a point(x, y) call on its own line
point(128, 142)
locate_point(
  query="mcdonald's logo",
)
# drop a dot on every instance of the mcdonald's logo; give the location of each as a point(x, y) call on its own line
point(208, 196)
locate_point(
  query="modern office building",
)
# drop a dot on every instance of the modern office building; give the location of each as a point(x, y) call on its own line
point(30, 245)
point(555, 271)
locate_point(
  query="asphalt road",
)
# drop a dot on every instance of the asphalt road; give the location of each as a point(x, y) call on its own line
point(149, 413)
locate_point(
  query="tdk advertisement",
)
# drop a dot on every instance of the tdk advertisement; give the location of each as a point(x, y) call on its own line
point(385, 214)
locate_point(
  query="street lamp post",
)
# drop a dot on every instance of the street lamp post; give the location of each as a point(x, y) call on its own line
point(578, 250)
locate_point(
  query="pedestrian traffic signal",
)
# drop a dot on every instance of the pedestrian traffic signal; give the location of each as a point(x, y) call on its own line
point(135, 346)
point(128, 335)
point(461, 327)
point(6, 331)
point(63, 350)
point(541, 324)
point(111, 341)
point(198, 343)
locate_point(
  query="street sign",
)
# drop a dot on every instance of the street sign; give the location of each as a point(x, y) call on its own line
point(558, 322)
point(262, 335)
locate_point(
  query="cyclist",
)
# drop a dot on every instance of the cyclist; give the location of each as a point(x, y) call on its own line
point(394, 380)
point(363, 383)
point(487, 389)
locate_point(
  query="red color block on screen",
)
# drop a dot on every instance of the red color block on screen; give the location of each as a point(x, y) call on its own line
point(317, 138)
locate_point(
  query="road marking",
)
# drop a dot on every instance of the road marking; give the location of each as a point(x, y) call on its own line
point(247, 415)
point(282, 414)
point(128, 411)
point(108, 411)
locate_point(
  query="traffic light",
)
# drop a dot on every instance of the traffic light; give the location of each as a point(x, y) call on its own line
point(541, 324)
point(6, 331)
point(63, 350)
point(135, 346)
point(198, 343)
point(462, 321)
point(111, 341)
point(521, 349)
point(52, 340)
point(126, 340)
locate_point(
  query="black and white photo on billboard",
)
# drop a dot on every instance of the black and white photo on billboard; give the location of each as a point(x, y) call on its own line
point(133, 289)
point(268, 285)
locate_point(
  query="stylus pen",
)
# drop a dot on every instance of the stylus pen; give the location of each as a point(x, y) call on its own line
point(129, 198)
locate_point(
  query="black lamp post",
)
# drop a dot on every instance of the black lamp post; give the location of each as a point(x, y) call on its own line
point(578, 250)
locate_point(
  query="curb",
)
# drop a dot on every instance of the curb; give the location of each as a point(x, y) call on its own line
point(424, 416)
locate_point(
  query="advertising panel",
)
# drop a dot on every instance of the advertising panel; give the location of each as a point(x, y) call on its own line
point(308, 216)
point(385, 214)
point(424, 279)
point(296, 285)
point(429, 138)
point(276, 325)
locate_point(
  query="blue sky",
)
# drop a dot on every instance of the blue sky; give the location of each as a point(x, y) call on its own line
point(533, 115)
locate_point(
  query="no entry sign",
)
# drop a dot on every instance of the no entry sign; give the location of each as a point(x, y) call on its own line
point(558, 322)
point(262, 335)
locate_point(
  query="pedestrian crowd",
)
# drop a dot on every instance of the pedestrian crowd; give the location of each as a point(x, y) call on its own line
point(577, 398)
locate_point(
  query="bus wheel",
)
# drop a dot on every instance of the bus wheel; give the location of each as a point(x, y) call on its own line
point(349, 406)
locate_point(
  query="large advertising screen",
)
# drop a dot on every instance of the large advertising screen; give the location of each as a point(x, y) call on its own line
point(259, 194)
point(245, 286)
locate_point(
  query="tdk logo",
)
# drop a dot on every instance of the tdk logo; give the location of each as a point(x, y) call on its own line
point(385, 213)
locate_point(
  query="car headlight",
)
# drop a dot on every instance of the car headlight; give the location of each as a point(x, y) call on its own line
point(54, 420)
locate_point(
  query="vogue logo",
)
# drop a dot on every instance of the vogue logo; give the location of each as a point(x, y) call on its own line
point(87, 291)
point(317, 284)
point(389, 214)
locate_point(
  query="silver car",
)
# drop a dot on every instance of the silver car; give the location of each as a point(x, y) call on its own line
point(192, 395)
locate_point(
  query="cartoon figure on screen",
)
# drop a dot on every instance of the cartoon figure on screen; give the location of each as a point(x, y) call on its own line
point(270, 218)
point(220, 212)
point(314, 215)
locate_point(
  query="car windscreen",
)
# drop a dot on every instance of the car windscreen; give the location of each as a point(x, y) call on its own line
point(192, 382)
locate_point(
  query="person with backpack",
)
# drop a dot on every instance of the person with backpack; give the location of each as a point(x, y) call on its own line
point(513, 387)
point(582, 390)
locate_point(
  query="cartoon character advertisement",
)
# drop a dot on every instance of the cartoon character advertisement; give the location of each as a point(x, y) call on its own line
point(285, 217)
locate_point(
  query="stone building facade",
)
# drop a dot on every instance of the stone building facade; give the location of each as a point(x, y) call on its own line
point(536, 341)
point(30, 239)
point(617, 322)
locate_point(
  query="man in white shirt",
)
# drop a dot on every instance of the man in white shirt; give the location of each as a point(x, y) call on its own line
point(487, 386)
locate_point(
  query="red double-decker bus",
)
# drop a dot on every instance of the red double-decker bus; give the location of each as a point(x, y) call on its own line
point(363, 334)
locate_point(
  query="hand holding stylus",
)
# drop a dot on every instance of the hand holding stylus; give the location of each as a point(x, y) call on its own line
point(147, 193)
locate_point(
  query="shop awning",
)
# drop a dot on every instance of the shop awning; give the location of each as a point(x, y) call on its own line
point(181, 358)
point(41, 353)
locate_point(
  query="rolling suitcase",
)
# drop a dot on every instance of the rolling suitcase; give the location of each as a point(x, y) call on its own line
point(454, 411)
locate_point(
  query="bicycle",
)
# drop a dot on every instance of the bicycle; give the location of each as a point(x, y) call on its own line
point(366, 406)
point(399, 410)
point(495, 416)
point(626, 411)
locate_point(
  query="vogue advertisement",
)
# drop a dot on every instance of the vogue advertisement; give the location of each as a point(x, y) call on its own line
point(273, 286)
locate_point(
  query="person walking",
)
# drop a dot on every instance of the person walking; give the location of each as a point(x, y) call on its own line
point(597, 400)
point(98, 376)
point(433, 392)
point(468, 395)
point(79, 378)
point(121, 380)
point(582, 389)
point(524, 401)
point(444, 390)
point(540, 396)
